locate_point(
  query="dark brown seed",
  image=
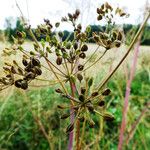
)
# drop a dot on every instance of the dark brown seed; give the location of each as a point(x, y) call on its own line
point(18, 83)
point(83, 90)
point(24, 62)
point(84, 48)
point(80, 77)
point(75, 45)
point(82, 55)
point(59, 91)
point(80, 67)
point(70, 128)
point(100, 17)
point(94, 94)
point(90, 107)
point(59, 60)
point(30, 75)
point(24, 84)
point(19, 34)
point(77, 12)
point(61, 107)
point(81, 98)
point(13, 70)
point(108, 116)
point(119, 37)
point(101, 103)
point(35, 62)
point(38, 71)
point(106, 92)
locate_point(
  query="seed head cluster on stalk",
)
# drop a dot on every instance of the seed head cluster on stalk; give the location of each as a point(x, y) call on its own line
point(67, 60)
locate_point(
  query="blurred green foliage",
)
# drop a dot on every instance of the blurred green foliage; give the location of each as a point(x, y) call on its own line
point(19, 131)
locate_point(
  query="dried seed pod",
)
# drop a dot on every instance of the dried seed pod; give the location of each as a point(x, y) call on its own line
point(13, 70)
point(58, 91)
point(60, 34)
point(70, 128)
point(101, 103)
point(79, 26)
point(38, 71)
point(106, 92)
point(82, 55)
point(80, 67)
point(19, 34)
point(81, 98)
point(18, 83)
point(80, 77)
point(61, 107)
point(65, 116)
point(20, 71)
point(91, 123)
point(70, 16)
point(35, 61)
point(24, 62)
point(84, 48)
point(24, 84)
point(90, 82)
point(100, 17)
point(59, 60)
point(83, 90)
point(119, 37)
point(30, 75)
point(108, 116)
point(77, 12)
point(117, 43)
point(75, 45)
point(94, 94)
point(90, 107)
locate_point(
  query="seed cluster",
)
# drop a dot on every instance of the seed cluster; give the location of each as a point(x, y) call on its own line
point(30, 71)
point(85, 104)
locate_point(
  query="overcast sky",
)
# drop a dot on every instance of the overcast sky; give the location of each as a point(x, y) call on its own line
point(55, 9)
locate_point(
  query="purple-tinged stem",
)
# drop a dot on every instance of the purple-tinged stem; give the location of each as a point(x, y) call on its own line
point(126, 101)
point(71, 134)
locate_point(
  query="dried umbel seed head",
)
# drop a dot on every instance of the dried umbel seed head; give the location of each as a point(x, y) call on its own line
point(84, 48)
point(58, 91)
point(106, 92)
point(101, 103)
point(70, 128)
point(81, 98)
point(80, 67)
point(82, 55)
point(59, 60)
point(80, 77)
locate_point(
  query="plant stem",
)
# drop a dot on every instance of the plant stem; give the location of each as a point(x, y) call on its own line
point(71, 134)
point(126, 54)
point(126, 101)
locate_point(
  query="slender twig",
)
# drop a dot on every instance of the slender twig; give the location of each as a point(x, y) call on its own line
point(135, 124)
point(126, 54)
